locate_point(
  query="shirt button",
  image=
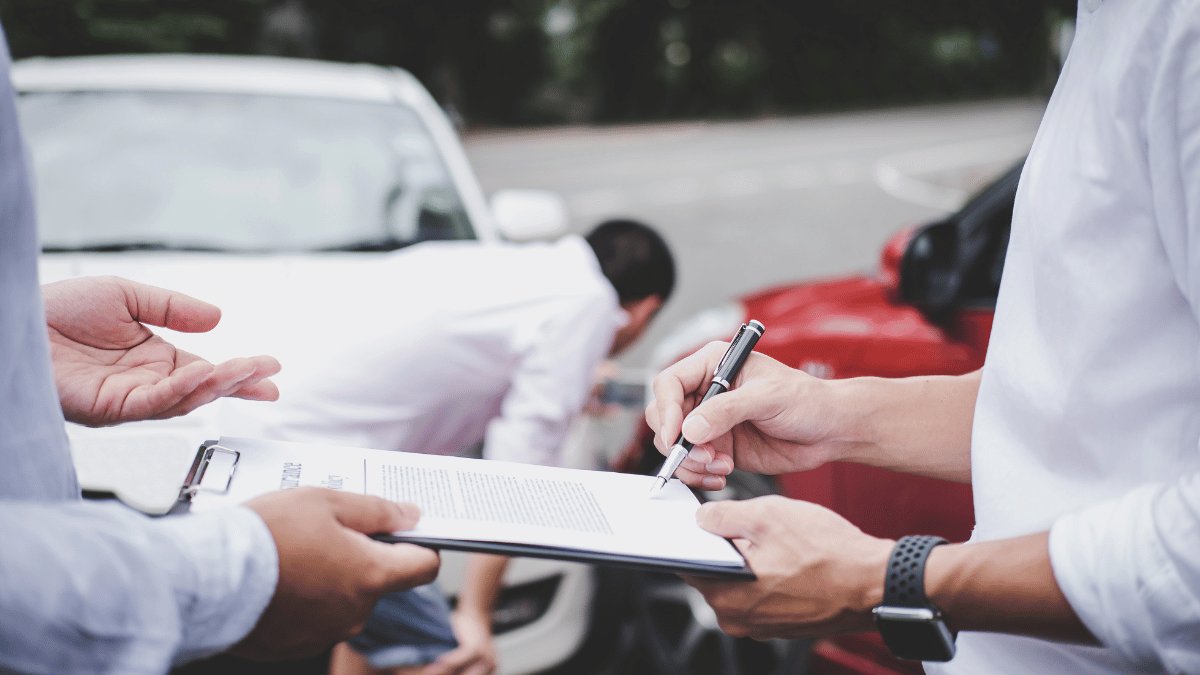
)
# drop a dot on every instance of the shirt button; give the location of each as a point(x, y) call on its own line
point(1092, 5)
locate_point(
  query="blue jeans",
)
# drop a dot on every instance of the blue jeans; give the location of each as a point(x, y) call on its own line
point(407, 628)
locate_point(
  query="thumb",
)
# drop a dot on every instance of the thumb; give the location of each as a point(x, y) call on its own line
point(372, 515)
point(732, 520)
point(716, 416)
point(169, 309)
point(404, 566)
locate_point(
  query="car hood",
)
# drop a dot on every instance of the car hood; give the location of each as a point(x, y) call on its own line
point(788, 305)
point(209, 276)
point(285, 287)
point(853, 306)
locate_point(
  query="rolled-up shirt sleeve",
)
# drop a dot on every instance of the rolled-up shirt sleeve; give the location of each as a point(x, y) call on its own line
point(99, 588)
point(1131, 570)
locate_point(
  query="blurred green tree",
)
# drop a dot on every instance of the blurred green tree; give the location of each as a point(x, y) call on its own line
point(538, 61)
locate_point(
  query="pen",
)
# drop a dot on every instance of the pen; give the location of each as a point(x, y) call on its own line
point(726, 371)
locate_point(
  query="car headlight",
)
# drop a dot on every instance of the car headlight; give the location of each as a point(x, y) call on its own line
point(715, 323)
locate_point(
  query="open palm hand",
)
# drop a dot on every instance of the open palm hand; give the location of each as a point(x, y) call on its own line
point(110, 368)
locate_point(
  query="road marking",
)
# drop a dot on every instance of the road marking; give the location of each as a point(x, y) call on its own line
point(904, 175)
point(900, 174)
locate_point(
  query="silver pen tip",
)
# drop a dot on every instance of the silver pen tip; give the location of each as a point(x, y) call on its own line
point(659, 484)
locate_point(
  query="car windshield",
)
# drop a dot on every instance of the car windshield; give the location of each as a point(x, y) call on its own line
point(237, 172)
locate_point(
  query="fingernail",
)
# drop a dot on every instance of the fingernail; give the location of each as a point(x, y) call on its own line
point(713, 483)
point(700, 456)
point(695, 426)
point(718, 466)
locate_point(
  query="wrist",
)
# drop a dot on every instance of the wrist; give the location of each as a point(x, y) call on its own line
point(855, 431)
point(944, 576)
point(474, 613)
point(871, 573)
point(911, 624)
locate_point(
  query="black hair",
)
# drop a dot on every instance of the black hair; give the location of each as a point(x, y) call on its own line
point(634, 258)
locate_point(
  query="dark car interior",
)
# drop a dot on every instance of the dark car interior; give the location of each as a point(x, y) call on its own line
point(958, 262)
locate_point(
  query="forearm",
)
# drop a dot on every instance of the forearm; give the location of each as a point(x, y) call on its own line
point(92, 588)
point(1004, 586)
point(481, 584)
point(919, 425)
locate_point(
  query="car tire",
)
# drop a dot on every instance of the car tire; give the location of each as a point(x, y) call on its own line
point(679, 631)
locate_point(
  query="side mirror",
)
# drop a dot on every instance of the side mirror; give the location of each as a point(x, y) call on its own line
point(528, 215)
point(929, 277)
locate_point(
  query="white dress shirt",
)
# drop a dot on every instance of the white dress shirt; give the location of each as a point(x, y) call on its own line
point(1088, 416)
point(84, 587)
point(435, 347)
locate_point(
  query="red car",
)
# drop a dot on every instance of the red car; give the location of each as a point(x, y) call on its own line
point(927, 311)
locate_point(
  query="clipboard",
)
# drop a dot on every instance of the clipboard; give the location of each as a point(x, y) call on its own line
point(215, 468)
point(222, 471)
point(575, 555)
point(142, 469)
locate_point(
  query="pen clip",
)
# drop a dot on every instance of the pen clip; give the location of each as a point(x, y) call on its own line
point(729, 350)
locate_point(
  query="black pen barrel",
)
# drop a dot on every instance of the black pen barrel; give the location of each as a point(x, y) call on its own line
point(713, 389)
point(729, 368)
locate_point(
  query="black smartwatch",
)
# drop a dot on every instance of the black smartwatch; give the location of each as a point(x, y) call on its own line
point(910, 625)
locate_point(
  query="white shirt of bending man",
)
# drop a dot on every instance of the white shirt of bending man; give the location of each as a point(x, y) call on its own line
point(1088, 416)
point(446, 344)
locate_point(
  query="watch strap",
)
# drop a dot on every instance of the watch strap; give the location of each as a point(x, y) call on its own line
point(905, 586)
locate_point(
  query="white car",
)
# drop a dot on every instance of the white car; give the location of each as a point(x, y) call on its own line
point(173, 170)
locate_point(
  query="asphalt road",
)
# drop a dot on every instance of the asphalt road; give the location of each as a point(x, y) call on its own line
point(746, 205)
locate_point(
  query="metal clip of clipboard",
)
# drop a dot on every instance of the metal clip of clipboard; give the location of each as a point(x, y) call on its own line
point(212, 471)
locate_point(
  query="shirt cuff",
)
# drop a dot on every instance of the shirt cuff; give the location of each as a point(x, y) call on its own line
point(1124, 566)
point(235, 568)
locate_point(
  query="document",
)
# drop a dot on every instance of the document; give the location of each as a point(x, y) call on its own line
point(491, 506)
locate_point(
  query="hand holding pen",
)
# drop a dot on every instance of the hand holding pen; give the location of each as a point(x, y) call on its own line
point(726, 371)
point(778, 419)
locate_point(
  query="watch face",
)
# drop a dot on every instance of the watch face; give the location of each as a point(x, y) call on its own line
point(919, 639)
